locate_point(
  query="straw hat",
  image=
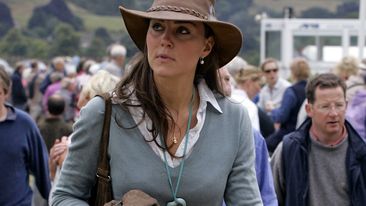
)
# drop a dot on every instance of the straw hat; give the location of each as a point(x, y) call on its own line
point(228, 38)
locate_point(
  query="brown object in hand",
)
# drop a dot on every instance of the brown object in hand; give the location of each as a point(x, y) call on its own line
point(134, 198)
point(138, 198)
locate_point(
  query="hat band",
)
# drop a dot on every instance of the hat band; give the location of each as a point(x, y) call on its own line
point(178, 9)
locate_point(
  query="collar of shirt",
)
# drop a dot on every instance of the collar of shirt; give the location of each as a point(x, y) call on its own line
point(239, 94)
point(11, 115)
point(206, 96)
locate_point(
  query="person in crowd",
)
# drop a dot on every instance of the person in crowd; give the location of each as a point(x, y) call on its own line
point(356, 110)
point(244, 79)
point(53, 126)
point(55, 86)
point(34, 94)
point(348, 69)
point(99, 83)
point(235, 65)
point(262, 167)
point(170, 136)
point(286, 115)
point(18, 94)
point(23, 152)
point(225, 81)
point(324, 161)
point(68, 91)
point(115, 65)
point(243, 74)
point(82, 72)
point(249, 81)
point(271, 94)
point(57, 66)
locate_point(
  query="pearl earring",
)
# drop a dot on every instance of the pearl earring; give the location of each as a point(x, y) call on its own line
point(202, 61)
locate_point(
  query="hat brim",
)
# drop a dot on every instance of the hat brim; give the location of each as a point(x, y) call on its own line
point(228, 37)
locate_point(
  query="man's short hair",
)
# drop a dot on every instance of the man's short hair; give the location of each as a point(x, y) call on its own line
point(324, 81)
point(267, 61)
point(34, 64)
point(56, 104)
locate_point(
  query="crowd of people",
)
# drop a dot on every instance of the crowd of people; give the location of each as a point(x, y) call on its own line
point(192, 123)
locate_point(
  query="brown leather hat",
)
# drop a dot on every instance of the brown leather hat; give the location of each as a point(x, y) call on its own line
point(228, 38)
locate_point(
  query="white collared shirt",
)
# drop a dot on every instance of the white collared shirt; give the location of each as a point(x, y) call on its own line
point(241, 97)
point(273, 95)
point(206, 96)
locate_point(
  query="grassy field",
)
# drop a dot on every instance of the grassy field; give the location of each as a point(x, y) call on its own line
point(22, 11)
point(93, 21)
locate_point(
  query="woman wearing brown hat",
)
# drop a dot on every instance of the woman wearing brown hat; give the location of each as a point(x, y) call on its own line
point(171, 135)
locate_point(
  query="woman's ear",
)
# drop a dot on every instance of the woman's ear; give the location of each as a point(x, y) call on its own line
point(210, 42)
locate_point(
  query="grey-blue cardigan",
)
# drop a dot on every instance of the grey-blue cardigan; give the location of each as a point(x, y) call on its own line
point(221, 165)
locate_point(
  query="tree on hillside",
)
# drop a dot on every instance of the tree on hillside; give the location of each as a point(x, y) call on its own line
point(316, 12)
point(348, 10)
point(103, 7)
point(65, 41)
point(14, 44)
point(103, 34)
point(96, 49)
point(45, 19)
point(98, 45)
point(6, 20)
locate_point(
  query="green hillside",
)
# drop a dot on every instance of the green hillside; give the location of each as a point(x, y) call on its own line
point(22, 11)
point(93, 21)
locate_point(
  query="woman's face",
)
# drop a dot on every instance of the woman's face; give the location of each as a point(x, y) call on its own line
point(174, 47)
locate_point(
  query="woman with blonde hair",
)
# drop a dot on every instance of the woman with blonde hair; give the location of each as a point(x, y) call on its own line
point(99, 83)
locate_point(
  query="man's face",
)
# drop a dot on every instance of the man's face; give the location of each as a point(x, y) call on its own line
point(3, 94)
point(270, 71)
point(328, 111)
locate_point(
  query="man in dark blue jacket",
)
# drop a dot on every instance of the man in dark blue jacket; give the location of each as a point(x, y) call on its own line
point(22, 152)
point(324, 161)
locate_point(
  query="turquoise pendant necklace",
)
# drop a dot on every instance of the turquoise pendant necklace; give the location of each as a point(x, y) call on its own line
point(177, 200)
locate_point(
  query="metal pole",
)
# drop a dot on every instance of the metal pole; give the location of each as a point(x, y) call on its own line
point(362, 28)
point(263, 42)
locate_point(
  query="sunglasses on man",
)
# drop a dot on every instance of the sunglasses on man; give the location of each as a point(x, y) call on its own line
point(271, 70)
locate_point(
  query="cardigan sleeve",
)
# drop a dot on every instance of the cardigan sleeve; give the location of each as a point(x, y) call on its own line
point(78, 171)
point(242, 187)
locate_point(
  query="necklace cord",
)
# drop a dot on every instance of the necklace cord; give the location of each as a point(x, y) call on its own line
point(181, 166)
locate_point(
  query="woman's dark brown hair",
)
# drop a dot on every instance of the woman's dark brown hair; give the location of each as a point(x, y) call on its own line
point(139, 82)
